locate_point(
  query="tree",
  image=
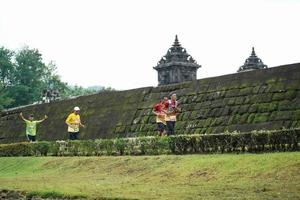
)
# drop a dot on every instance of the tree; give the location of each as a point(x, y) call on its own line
point(30, 70)
point(5, 100)
point(6, 67)
point(24, 76)
point(6, 76)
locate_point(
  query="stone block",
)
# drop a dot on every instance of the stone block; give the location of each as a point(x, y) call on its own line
point(194, 115)
point(179, 116)
point(239, 100)
point(217, 103)
point(263, 89)
point(226, 110)
point(219, 121)
point(291, 94)
point(247, 99)
point(296, 115)
point(261, 98)
point(200, 97)
point(245, 91)
point(207, 122)
point(234, 110)
point(243, 109)
point(281, 115)
point(287, 124)
point(186, 116)
point(206, 104)
point(277, 87)
point(231, 101)
point(232, 93)
point(201, 123)
point(261, 117)
point(255, 89)
point(250, 118)
point(197, 131)
point(267, 107)
point(278, 96)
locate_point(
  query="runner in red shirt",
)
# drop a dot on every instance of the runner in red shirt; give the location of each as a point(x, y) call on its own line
point(160, 111)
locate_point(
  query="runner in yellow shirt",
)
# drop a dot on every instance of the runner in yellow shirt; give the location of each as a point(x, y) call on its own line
point(31, 126)
point(73, 121)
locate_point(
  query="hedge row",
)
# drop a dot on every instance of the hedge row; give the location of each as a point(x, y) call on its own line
point(253, 142)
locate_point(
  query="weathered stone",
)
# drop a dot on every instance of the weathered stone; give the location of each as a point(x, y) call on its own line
point(129, 113)
point(252, 63)
point(296, 115)
point(278, 87)
point(176, 66)
point(232, 93)
point(261, 117)
point(250, 118)
point(278, 96)
point(281, 115)
point(266, 107)
point(239, 100)
point(245, 91)
point(243, 109)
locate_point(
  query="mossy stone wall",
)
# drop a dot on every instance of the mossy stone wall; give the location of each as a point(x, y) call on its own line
point(261, 99)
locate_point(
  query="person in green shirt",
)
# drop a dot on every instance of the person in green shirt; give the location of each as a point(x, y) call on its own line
point(31, 126)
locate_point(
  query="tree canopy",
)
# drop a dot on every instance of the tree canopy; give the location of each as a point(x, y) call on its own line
point(24, 76)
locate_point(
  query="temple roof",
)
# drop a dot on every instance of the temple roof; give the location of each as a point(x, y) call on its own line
point(252, 63)
point(177, 55)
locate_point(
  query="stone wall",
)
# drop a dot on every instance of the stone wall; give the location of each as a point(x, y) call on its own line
point(261, 99)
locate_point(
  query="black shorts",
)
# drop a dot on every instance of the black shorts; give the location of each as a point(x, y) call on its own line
point(74, 135)
point(31, 138)
point(161, 127)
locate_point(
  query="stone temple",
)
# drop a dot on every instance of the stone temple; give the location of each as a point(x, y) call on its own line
point(176, 66)
point(252, 63)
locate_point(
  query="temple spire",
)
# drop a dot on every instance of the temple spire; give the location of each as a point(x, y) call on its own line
point(176, 42)
point(252, 63)
point(253, 52)
point(176, 66)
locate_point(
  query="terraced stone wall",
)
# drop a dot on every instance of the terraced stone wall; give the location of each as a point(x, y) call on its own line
point(261, 99)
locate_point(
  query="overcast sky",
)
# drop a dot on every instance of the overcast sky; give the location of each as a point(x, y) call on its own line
point(117, 43)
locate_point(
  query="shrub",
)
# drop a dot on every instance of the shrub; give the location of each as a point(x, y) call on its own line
point(252, 142)
point(16, 149)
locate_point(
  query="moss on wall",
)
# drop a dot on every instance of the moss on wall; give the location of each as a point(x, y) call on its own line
point(260, 99)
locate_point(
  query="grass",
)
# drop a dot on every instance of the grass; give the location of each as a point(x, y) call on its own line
point(227, 176)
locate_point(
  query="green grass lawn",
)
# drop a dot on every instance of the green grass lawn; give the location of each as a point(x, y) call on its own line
point(227, 176)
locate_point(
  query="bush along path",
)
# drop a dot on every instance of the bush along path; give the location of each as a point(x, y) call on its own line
point(21, 195)
point(252, 142)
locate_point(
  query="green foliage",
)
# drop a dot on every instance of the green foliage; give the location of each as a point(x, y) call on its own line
point(52, 195)
point(16, 149)
point(24, 75)
point(41, 148)
point(253, 142)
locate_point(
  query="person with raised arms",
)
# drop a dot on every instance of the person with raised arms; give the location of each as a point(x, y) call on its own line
point(31, 126)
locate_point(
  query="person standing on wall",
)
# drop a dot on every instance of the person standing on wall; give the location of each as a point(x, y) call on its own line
point(160, 111)
point(73, 121)
point(172, 110)
point(31, 126)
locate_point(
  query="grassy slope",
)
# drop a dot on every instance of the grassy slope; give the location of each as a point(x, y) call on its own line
point(248, 176)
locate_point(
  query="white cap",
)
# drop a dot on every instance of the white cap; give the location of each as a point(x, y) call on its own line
point(76, 108)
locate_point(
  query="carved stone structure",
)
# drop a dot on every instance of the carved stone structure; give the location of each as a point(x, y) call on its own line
point(50, 95)
point(252, 63)
point(176, 66)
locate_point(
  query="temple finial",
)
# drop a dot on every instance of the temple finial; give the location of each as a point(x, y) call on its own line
point(176, 42)
point(253, 52)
